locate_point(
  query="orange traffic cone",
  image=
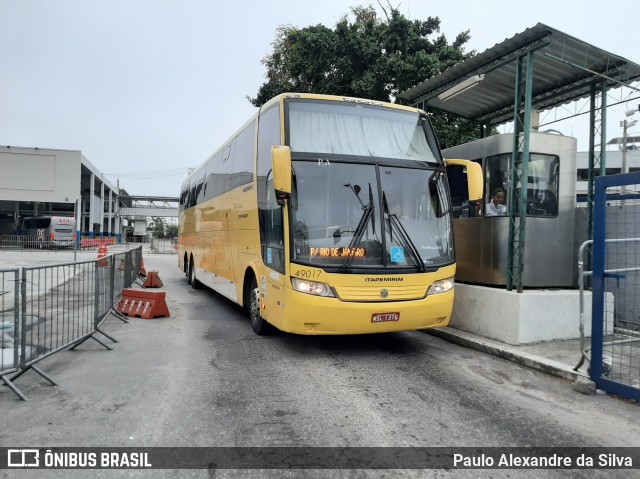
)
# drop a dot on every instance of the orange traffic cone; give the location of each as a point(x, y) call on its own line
point(102, 252)
point(143, 271)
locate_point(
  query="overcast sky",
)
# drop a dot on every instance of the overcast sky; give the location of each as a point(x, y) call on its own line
point(148, 88)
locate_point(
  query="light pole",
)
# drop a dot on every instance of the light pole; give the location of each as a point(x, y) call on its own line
point(626, 124)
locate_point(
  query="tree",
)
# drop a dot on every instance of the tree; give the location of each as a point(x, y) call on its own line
point(368, 58)
point(172, 230)
point(156, 225)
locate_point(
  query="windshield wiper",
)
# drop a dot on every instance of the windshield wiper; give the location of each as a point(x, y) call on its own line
point(367, 215)
point(404, 236)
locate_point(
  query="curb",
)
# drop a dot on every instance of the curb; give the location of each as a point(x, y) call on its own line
point(504, 351)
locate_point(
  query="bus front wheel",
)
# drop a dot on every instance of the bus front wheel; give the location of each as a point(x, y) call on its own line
point(259, 325)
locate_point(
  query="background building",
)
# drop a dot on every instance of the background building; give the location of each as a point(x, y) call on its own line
point(36, 181)
point(613, 165)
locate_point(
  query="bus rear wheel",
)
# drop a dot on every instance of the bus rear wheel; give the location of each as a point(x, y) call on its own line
point(192, 276)
point(188, 270)
point(259, 325)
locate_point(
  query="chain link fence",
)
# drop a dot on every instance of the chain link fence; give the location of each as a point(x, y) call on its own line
point(615, 359)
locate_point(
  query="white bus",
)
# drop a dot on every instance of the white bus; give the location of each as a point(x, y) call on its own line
point(48, 231)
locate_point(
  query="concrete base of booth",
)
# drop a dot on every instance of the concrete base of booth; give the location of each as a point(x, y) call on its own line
point(522, 318)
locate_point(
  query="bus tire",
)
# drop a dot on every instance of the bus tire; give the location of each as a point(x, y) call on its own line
point(195, 284)
point(259, 325)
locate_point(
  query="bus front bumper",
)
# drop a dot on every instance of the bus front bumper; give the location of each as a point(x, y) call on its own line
point(308, 314)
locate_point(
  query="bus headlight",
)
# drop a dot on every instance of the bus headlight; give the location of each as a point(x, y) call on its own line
point(311, 287)
point(441, 286)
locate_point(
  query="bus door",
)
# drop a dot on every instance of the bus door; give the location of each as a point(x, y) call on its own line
point(272, 282)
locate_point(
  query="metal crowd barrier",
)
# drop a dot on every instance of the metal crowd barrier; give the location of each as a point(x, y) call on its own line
point(55, 307)
point(163, 246)
point(30, 242)
point(9, 324)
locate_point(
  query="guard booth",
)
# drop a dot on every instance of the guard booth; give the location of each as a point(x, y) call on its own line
point(482, 239)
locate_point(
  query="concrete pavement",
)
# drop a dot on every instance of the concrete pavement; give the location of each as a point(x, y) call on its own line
point(556, 358)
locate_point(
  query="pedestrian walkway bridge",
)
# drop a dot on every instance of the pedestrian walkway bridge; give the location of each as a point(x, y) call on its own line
point(144, 206)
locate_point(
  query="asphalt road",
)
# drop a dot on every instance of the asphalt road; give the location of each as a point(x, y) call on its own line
point(203, 378)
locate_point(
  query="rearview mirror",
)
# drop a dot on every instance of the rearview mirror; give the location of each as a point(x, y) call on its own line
point(281, 161)
point(474, 177)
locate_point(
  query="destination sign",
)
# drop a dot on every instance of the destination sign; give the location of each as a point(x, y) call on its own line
point(337, 252)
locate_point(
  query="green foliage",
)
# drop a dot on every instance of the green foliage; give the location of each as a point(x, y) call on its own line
point(171, 230)
point(452, 130)
point(157, 226)
point(366, 57)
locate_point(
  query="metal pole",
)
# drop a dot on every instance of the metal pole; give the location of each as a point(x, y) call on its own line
point(23, 321)
point(623, 168)
point(112, 280)
point(512, 191)
point(603, 129)
point(75, 243)
point(624, 148)
point(520, 168)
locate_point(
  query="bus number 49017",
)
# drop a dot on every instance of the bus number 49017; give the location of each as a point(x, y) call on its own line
point(306, 274)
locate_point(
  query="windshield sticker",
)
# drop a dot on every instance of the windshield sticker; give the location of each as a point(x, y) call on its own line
point(269, 256)
point(397, 254)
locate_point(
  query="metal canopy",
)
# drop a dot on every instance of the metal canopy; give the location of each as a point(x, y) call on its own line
point(539, 68)
point(565, 70)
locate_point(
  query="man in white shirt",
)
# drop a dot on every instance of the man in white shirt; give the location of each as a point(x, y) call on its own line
point(496, 206)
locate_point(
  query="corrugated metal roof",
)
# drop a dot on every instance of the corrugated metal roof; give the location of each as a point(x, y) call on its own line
point(564, 69)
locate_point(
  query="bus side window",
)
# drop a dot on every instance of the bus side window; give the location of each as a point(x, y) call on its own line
point(270, 214)
point(242, 152)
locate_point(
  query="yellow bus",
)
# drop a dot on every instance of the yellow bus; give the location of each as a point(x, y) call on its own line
point(326, 215)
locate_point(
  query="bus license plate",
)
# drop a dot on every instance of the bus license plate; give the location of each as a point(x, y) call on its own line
point(383, 317)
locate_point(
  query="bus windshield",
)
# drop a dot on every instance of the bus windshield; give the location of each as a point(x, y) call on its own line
point(341, 219)
point(354, 129)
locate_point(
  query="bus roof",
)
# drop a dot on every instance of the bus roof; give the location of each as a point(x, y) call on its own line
point(317, 96)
